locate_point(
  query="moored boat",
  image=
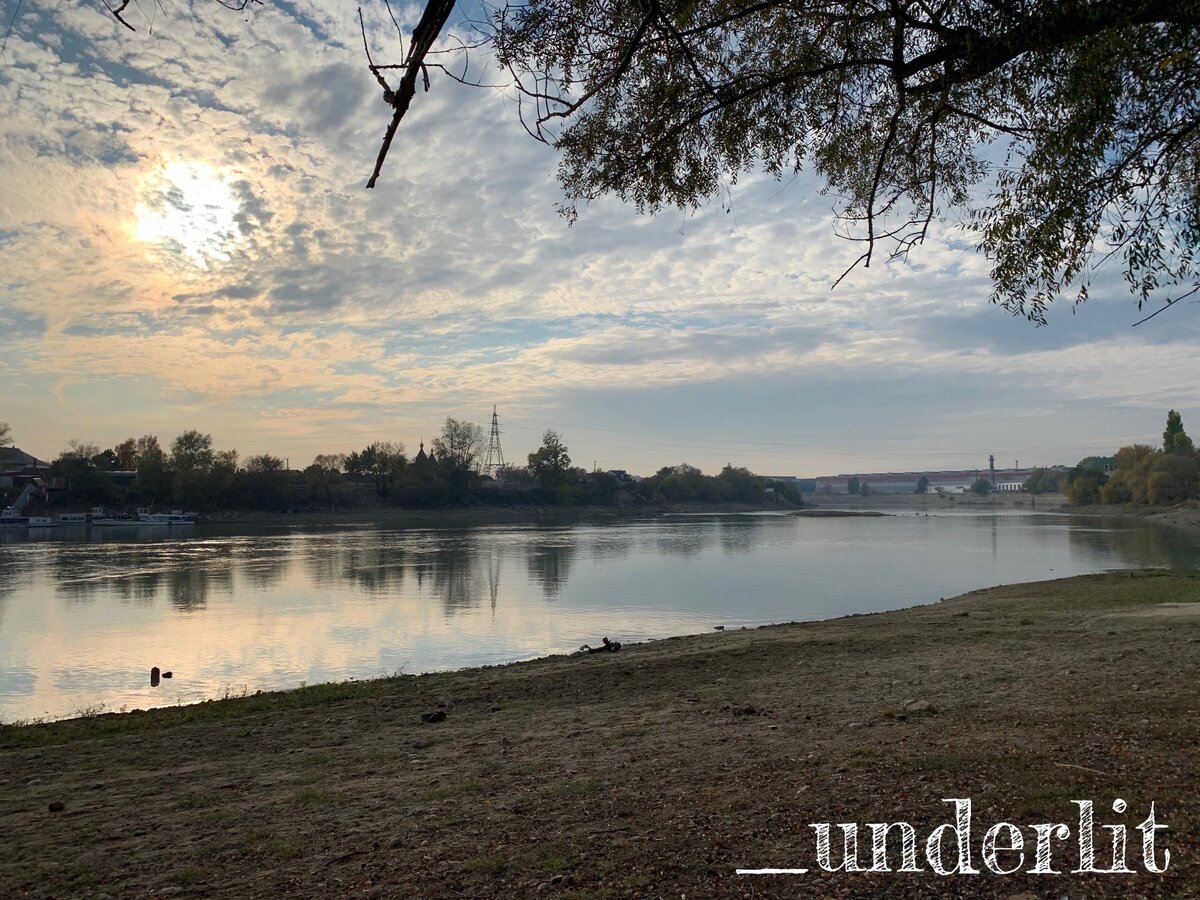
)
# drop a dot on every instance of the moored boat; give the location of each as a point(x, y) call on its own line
point(174, 517)
point(71, 518)
point(10, 518)
point(42, 522)
point(101, 517)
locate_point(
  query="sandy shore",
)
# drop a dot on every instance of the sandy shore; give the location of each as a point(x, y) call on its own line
point(653, 772)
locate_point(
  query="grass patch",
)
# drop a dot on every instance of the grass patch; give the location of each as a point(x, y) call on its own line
point(445, 792)
point(283, 849)
point(186, 876)
point(551, 862)
point(577, 790)
point(487, 865)
point(208, 851)
point(200, 801)
point(313, 797)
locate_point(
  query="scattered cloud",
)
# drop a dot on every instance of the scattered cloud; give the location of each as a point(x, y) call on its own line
point(187, 241)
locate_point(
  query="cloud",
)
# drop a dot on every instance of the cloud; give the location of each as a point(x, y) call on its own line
point(286, 305)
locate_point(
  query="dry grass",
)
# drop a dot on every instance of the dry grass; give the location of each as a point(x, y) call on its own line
point(643, 773)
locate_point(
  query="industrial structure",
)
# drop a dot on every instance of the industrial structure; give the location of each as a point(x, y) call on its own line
point(947, 481)
point(493, 462)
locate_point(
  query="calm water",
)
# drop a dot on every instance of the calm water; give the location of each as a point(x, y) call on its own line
point(84, 617)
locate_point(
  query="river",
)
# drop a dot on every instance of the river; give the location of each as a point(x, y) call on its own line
point(84, 615)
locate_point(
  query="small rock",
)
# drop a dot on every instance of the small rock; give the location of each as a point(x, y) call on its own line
point(98, 786)
point(496, 707)
point(718, 628)
point(920, 706)
point(557, 879)
point(746, 710)
point(57, 806)
point(438, 715)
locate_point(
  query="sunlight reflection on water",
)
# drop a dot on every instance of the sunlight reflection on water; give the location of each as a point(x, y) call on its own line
point(84, 617)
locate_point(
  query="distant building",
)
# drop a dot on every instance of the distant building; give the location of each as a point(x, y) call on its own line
point(14, 461)
point(956, 481)
point(1104, 465)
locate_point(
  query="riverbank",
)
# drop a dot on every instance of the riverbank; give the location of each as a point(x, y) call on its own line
point(931, 502)
point(395, 517)
point(1180, 515)
point(656, 771)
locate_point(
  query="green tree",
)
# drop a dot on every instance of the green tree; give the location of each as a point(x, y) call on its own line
point(264, 484)
point(86, 483)
point(1128, 482)
point(154, 479)
point(106, 461)
point(893, 105)
point(132, 451)
point(382, 462)
point(5, 434)
point(1175, 440)
point(982, 487)
point(324, 477)
point(1173, 478)
point(459, 446)
point(1084, 486)
point(550, 464)
point(852, 485)
point(126, 453)
point(739, 485)
point(1044, 481)
point(458, 450)
point(922, 485)
point(192, 451)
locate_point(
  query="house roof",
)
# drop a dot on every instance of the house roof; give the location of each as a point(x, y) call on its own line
point(13, 459)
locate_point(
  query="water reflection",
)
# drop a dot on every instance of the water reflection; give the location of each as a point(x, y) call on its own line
point(81, 619)
point(738, 535)
point(549, 564)
point(186, 574)
point(1150, 547)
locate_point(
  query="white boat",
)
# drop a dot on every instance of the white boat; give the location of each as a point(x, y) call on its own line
point(10, 518)
point(174, 517)
point(42, 522)
point(71, 518)
point(100, 516)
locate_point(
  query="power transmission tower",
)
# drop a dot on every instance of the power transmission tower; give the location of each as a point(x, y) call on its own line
point(494, 461)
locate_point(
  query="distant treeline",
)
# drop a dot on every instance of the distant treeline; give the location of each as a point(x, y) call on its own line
point(194, 475)
point(1141, 473)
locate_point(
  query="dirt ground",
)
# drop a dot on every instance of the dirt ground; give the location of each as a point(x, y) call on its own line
point(653, 772)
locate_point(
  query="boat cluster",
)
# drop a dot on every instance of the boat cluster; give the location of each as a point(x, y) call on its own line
point(99, 517)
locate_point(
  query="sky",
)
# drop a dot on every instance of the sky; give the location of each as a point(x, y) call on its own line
point(186, 242)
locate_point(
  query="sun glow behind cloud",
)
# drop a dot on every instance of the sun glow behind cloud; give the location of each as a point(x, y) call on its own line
point(207, 257)
point(189, 209)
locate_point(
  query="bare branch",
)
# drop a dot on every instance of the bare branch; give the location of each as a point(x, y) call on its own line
point(117, 14)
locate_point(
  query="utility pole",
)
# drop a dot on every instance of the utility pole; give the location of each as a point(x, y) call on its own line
point(494, 461)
